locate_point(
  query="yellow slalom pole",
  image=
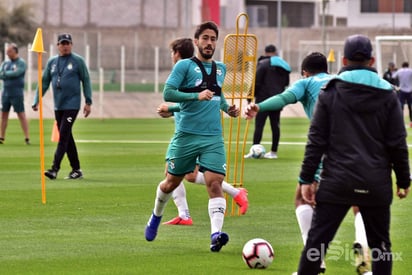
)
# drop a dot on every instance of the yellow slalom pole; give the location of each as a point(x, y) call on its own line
point(38, 47)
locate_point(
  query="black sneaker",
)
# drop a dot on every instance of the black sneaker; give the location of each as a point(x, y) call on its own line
point(1, 140)
point(51, 174)
point(27, 141)
point(74, 175)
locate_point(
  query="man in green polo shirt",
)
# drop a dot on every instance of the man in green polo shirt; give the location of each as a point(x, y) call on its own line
point(12, 73)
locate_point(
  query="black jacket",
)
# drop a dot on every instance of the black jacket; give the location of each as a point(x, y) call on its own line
point(359, 132)
point(272, 77)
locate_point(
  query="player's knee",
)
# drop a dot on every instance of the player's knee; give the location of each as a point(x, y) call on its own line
point(170, 184)
point(191, 177)
point(215, 188)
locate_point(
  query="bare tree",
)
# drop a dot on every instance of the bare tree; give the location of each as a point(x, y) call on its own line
point(16, 26)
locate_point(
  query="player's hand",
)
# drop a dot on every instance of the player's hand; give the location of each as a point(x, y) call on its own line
point(35, 107)
point(308, 193)
point(163, 110)
point(233, 111)
point(251, 111)
point(205, 95)
point(87, 110)
point(402, 193)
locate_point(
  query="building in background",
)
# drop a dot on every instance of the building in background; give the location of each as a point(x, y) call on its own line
point(336, 13)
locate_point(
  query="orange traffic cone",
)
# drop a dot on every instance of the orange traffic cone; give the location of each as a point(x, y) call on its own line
point(55, 133)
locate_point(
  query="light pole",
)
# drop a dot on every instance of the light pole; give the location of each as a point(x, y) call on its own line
point(279, 23)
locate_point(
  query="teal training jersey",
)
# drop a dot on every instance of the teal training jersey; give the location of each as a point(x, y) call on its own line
point(12, 73)
point(196, 117)
point(67, 74)
point(306, 90)
point(365, 77)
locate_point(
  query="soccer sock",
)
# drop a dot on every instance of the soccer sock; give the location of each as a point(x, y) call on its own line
point(304, 215)
point(360, 233)
point(217, 208)
point(228, 188)
point(179, 197)
point(200, 178)
point(161, 200)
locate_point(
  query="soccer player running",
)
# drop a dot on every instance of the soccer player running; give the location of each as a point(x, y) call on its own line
point(314, 69)
point(196, 83)
point(180, 49)
point(358, 131)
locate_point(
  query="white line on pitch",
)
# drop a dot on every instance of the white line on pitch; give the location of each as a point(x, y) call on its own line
point(166, 142)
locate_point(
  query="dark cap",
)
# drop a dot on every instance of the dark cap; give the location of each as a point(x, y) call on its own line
point(358, 48)
point(64, 37)
point(270, 49)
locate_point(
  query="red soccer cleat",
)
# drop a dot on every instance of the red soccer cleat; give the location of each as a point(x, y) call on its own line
point(242, 201)
point(179, 221)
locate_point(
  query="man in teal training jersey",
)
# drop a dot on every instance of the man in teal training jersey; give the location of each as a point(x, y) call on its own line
point(197, 83)
point(180, 49)
point(12, 73)
point(66, 72)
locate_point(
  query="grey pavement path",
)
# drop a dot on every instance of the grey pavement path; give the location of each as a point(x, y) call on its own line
point(126, 105)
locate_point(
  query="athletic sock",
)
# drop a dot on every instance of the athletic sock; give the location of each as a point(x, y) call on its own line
point(217, 208)
point(228, 188)
point(161, 200)
point(179, 198)
point(304, 215)
point(200, 178)
point(360, 233)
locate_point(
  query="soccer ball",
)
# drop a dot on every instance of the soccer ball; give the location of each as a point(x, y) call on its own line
point(257, 151)
point(258, 253)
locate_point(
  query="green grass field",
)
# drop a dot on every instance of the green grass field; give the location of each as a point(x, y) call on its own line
point(95, 225)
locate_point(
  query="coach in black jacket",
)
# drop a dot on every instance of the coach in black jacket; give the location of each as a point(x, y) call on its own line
point(359, 132)
point(272, 77)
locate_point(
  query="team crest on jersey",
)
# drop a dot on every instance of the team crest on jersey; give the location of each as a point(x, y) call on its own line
point(53, 68)
point(219, 72)
point(198, 82)
point(198, 70)
point(70, 66)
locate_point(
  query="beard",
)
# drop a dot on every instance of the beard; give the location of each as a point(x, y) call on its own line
point(206, 55)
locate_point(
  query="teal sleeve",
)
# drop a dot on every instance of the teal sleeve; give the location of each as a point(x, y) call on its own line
point(20, 70)
point(172, 94)
point(85, 78)
point(174, 108)
point(46, 78)
point(277, 102)
point(2, 72)
point(224, 106)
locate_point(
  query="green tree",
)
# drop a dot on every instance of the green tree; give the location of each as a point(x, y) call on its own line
point(16, 25)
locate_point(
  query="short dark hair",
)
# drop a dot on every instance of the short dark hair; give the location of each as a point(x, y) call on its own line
point(405, 64)
point(315, 63)
point(270, 48)
point(184, 46)
point(205, 26)
point(14, 47)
